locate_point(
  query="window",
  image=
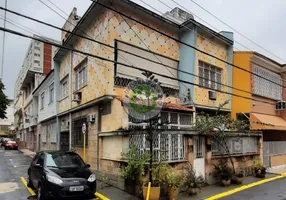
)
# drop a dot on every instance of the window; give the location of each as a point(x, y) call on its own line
point(51, 90)
point(53, 133)
point(37, 48)
point(211, 76)
point(64, 88)
point(44, 134)
point(81, 75)
point(37, 54)
point(42, 100)
point(264, 87)
point(77, 135)
point(37, 61)
point(106, 108)
point(166, 146)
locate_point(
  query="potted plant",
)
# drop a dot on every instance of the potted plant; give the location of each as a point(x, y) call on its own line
point(174, 182)
point(259, 169)
point(191, 182)
point(237, 178)
point(223, 172)
point(134, 171)
point(159, 176)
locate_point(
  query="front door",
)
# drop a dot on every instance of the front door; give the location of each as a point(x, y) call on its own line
point(199, 153)
point(64, 141)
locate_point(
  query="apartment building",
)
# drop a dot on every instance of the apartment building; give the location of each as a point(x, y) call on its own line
point(36, 65)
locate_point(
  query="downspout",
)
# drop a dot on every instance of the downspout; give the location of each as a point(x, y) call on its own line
point(57, 87)
point(70, 91)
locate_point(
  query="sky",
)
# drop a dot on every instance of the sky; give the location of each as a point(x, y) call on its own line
point(260, 20)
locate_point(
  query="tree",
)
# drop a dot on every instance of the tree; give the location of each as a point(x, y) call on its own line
point(4, 102)
point(216, 128)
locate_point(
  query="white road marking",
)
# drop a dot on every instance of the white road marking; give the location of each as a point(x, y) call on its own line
point(8, 187)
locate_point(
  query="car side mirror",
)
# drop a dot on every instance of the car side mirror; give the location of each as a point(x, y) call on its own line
point(87, 165)
point(37, 165)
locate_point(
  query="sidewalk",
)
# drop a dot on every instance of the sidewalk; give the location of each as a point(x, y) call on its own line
point(212, 190)
point(28, 152)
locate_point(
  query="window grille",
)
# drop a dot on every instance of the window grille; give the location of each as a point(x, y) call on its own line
point(264, 87)
point(166, 146)
point(236, 145)
point(64, 87)
point(51, 89)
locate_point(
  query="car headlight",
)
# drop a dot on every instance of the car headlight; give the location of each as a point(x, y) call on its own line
point(54, 179)
point(91, 178)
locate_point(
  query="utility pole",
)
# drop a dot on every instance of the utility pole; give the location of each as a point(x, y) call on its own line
point(3, 43)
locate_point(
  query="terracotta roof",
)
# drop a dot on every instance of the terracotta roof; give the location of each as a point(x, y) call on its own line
point(170, 106)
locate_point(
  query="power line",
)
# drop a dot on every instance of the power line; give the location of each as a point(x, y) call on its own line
point(99, 34)
point(119, 63)
point(3, 43)
point(201, 20)
point(109, 46)
point(177, 40)
point(235, 30)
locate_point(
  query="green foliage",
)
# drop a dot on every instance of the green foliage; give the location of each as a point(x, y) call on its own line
point(191, 180)
point(257, 165)
point(222, 170)
point(135, 168)
point(4, 102)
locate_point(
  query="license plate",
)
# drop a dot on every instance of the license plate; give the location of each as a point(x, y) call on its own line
point(76, 188)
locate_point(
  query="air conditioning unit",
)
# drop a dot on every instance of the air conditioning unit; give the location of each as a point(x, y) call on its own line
point(280, 105)
point(212, 95)
point(27, 120)
point(77, 97)
point(91, 118)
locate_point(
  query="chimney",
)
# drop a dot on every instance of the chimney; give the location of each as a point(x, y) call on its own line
point(69, 25)
point(178, 15)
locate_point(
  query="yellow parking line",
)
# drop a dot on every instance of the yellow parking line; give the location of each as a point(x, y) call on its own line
point(101, 196)
point(29, 189)
point(227, 193)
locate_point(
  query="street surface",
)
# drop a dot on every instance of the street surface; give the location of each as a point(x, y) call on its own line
point(275, 190)
point(13, 165)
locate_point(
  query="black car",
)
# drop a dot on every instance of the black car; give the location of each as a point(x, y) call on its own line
point(61, 174)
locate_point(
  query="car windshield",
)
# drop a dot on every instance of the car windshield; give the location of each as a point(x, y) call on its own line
point(64, 160)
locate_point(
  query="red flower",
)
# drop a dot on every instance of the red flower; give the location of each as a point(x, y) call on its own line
point(212, 129)
point(211, 135)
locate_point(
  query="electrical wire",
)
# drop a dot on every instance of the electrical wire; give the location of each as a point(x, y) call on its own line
point(236, 30)
point(119, 63)
point(3, 44)
point(188, 45)
point(107, 45)
point(99, 34)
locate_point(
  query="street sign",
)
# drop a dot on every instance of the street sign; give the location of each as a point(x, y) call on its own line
point(83, 128)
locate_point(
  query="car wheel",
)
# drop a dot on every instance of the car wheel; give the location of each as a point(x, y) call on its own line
point(5, 148)
point(41, 195)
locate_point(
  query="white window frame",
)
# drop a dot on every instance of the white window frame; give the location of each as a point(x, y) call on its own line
point(64, 88)
point(81, 75)
point(212, 83)
point(42, 100)
point(51, 93)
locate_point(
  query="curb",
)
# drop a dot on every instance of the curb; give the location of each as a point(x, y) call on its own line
point(244, 187)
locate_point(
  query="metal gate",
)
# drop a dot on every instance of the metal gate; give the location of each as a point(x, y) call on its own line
point(266, 154)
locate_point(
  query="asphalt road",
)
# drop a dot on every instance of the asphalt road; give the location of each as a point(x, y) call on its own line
point(275, 190)
point(13, 166)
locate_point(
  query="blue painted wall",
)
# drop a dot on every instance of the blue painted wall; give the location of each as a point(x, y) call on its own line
point(187, 62)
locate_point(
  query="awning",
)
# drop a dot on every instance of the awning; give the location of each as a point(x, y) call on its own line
point(266, 122)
